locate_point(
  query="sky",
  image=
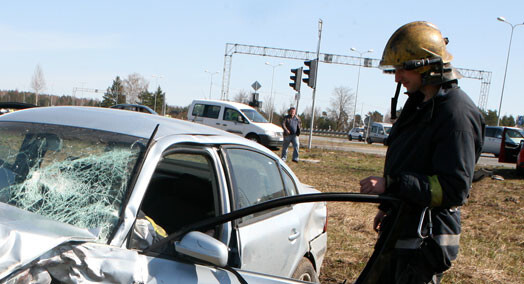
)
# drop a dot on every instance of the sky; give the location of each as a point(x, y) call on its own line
point(86, 44)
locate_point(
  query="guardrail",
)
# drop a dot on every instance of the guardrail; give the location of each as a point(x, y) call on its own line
point(324, 132)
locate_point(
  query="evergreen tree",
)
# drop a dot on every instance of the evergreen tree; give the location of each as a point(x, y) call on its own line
point(115, 94)
point(375, 117)
point(490, 116)
point(146, 98)
point(507, 121)
point(159, 97)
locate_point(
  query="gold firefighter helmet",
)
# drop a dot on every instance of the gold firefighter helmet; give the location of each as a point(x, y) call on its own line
point(415, 41)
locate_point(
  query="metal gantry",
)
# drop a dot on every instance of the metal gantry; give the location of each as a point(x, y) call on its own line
point(232, 48)
point(82, 89)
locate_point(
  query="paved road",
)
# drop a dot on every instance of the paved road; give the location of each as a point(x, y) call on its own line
point(342, 144)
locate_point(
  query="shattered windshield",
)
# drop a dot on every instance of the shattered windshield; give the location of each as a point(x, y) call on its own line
point(72, 175)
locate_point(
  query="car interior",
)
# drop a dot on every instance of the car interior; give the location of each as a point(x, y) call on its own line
point(182, 191)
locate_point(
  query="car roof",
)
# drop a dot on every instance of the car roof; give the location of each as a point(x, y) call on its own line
point(219, 102)
point(383, 123)
point(114, 120)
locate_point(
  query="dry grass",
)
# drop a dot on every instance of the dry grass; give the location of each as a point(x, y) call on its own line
point(492, 242)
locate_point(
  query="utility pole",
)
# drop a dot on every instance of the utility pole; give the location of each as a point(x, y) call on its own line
point(315, 85)
point(211, 83)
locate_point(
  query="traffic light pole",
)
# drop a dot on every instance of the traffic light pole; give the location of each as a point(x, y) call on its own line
point(297, 96)
point(315, 85)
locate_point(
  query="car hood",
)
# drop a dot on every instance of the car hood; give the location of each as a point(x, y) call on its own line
point(24, 236)
point(269, 126)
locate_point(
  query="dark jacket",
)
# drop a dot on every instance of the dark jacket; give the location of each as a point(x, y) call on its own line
point(433, 149)
point(286, 125)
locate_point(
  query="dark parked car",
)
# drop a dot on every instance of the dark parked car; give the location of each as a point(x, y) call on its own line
point(134, 107)
point(7, 107)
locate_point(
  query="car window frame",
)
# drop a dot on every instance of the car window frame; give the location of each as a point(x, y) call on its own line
point(285, 172)
point(226, 109)
point(219, 199)
point(230, 184)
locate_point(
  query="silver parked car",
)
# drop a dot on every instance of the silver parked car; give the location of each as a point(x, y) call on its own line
point(357, 133)
point(101, 195)
point(493, 138)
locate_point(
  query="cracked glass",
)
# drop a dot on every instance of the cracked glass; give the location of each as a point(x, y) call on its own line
point(72, 175)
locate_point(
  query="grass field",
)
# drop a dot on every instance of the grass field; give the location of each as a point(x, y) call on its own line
point(492, 241)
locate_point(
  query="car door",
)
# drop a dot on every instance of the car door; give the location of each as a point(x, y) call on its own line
point(207, 114)
point(233, 121)
point(510, 145)
point(269, 242)
point(374, 133)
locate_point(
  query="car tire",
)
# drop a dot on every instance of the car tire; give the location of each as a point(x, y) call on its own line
point(253, 137)
point(369, 140)
point(350, 138)
point(360, 138)
point(305, 271)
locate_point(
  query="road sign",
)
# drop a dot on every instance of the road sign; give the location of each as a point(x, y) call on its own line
point(256, 86)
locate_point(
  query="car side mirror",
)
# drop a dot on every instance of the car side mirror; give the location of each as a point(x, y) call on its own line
point(203, 247)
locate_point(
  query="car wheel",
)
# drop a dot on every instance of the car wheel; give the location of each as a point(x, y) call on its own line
point(369, 140)
point(350, 137)
point(360, 138)
point(306, 272)
point(253, 137)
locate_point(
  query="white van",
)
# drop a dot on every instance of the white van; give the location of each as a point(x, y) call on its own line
point(236, 118)
point(378, 132)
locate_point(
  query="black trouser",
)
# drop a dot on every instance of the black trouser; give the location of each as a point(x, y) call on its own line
point(401, 266)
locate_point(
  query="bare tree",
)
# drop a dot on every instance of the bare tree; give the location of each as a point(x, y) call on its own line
point(242, 97)
point(134, 85)
point(38, 82)
point(341, 107)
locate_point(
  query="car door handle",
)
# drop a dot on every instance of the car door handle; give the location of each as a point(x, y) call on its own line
point(218, 123)
point(294, 235)
point(224, 124)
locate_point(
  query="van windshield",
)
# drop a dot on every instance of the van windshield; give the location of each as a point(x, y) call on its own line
point(254, 115)
point(514, 133)
point(387, 129)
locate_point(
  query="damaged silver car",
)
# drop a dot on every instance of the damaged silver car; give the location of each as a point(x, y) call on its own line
point(101, 195)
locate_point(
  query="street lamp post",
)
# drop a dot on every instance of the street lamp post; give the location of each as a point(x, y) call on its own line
point(271, 95)
point(156, 78)
point(211, 83)
point(358, 80)
point(502, 19)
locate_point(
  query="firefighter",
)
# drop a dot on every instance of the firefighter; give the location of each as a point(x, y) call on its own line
point(433, 147)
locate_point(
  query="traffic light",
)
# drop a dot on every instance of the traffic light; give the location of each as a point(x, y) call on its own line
point(254, 100)
point(312, 73)
point(296, 79)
